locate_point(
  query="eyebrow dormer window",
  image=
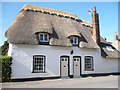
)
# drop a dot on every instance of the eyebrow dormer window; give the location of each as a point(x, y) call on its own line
point(44, 37)
point(74, 40)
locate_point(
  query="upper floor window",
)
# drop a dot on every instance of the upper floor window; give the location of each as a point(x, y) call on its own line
point(74, 40)
point(89, 63)
point(44, 37)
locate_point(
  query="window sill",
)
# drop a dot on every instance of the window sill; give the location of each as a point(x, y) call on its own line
point(75, 45)
point(89, 70)
point(44, 43)
point(39, 72)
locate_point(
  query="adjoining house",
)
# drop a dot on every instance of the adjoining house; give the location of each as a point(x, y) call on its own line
point(46, 42)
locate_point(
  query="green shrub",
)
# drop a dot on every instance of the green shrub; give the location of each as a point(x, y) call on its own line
point(0, 51)
point(4, 48)
point(5, 68)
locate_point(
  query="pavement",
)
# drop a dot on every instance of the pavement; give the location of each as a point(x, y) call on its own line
point(89, 82)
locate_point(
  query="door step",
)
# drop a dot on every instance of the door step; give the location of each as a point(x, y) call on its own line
point(65, 78)
point(77, 76)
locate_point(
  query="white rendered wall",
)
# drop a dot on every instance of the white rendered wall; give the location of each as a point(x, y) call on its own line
point(23, 60)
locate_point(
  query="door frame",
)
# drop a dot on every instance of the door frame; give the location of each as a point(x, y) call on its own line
point(68, 64)
point(80, 64)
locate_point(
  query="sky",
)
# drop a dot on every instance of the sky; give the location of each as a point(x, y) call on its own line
point(108, 14)
point(61, 0)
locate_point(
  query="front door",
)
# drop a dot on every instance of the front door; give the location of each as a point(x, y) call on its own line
point(76, 66)
point(64, 66)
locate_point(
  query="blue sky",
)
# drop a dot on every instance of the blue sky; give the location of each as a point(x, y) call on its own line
point(108, 12)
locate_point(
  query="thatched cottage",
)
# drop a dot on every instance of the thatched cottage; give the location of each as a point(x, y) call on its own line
point(46, 42)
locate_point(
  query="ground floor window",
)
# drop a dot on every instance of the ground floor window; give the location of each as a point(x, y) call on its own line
point(89, 63)
point(38, 63)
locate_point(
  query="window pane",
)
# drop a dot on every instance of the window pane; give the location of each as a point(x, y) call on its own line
point(88, 63)
point(65, 59)
point(71, 39)
point(46, 37)
point(75, 40)
point(74, 59)
point(41, 37)
point(62, 59)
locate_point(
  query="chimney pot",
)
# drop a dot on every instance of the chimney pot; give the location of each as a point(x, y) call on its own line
point(94, 9)
point(105, 38)
point(115, 36)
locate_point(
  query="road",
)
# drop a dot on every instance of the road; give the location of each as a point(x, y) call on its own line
point(89, 82)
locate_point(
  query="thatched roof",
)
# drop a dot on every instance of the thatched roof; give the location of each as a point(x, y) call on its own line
point(59, 24)
point(33, 19)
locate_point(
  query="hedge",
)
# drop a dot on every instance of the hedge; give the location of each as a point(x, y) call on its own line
point(5, 68)
point(4, 48)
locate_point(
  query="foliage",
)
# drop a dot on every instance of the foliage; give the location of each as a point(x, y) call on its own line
point(0, 51)
point(5, 48)
point(5, 68)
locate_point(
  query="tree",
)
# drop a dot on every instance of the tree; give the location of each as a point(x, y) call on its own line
point(5, 48)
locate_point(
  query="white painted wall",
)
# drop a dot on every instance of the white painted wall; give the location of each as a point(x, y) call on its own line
point(23, 60)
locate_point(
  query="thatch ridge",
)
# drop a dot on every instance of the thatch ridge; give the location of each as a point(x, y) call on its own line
point(49, 11)
point(29, 7)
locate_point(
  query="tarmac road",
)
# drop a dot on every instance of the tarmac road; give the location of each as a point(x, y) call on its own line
point(89, 82)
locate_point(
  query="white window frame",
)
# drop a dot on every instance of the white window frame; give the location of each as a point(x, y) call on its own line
point(73, 39)
point(44, 37)
point(37, 59)
point(89, 64)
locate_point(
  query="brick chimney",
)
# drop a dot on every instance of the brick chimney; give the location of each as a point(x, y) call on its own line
point(95, 23)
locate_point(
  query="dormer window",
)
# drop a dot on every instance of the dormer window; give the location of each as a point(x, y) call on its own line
point(43, 38)
point(74, 40)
